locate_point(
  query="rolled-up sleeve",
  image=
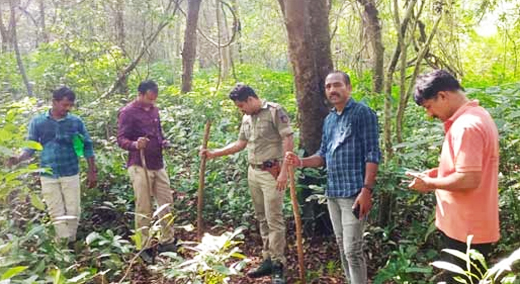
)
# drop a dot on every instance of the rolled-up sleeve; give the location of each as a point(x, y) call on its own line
point(370, 136)
point(322, 152)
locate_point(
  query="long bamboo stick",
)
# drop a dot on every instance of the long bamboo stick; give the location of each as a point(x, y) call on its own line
point(298, 222)
point(200, 192)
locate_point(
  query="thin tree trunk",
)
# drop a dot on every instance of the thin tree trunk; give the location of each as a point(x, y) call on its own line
point(17, 49)
point(407, 94)
point(43, 28)
point(371, 16)
point(189, 50)
point(146, 45)
point(387, 198)
point(6, 38)
point(120, 40)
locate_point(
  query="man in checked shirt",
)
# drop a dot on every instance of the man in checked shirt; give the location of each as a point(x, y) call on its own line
point(350, 152)
point(55, 130)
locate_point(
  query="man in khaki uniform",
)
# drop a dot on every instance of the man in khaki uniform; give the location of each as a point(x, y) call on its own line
point(267, 133)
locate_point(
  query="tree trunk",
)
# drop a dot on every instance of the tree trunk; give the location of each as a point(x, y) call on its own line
point(43, 28)
point(4, 33)
point(189, 50)
point(13, 6)
point(309, 50)
point(387, 198)
point(120, 40)
point(225, 54)
point(371, 17)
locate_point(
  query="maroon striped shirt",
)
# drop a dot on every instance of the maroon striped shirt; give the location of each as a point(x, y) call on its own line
point(135, 121)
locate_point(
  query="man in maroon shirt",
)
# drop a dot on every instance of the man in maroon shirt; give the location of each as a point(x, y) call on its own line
point(139, 130)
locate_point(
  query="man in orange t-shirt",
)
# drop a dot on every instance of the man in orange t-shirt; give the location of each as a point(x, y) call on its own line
point(466, 181)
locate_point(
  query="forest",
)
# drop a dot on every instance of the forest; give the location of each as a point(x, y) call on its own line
point(197, 51)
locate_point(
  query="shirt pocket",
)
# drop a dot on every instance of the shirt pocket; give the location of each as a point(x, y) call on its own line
point(247, 130)
point(265, 129)
point(345, 133)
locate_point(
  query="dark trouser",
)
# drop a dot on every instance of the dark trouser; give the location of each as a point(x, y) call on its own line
point(479, 270)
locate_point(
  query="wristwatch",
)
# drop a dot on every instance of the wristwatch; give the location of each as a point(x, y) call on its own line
point(370, 188)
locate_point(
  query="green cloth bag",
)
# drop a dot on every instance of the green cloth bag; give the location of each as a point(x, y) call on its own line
point(78, 144)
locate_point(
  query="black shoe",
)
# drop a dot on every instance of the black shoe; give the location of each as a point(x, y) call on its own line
point(148, 255)
point(277, 276)
point(168, 247)
point(264, 269)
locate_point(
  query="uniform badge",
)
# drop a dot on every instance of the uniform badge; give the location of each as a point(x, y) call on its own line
point(283, 117)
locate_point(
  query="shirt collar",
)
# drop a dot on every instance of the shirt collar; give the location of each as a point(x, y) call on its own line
point(350, 104)
point(142, 105)
point(49, 115)
point(459, 112)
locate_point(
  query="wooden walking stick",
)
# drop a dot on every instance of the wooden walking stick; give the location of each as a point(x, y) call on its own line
point(143, 163)
point(298, 222)
point(200, 192)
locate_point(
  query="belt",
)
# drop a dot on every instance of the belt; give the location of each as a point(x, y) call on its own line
point(264, 165)
point(256, 167)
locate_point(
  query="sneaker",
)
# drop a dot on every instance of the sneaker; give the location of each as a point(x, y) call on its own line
point(171, 246)
point(148, 256)
point(264, 269)
point(277, 276)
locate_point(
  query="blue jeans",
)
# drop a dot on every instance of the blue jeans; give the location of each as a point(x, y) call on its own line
point(349, 236)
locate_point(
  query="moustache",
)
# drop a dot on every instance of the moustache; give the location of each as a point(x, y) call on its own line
point(334, 94)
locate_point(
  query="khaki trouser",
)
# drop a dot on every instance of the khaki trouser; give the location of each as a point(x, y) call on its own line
point(62, 196)
point(160, 189)
point(268, 204)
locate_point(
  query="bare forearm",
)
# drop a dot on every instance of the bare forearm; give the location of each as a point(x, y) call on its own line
point(457, 181)
point(230, 149)
point(370, 174)
point(91, 161)
point(313, 161)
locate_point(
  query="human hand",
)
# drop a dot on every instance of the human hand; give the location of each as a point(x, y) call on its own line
point(364, 201)
point(92, 178)
point(142, 142)
point(208, 154)
point(281, 181)
point(166, 144)
point(11, 161)
point(291, 159)
point(420, 182)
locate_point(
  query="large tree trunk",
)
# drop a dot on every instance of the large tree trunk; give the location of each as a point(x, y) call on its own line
point(371, 18)
point(13, 6)
point(189, 50)
point(309, 50)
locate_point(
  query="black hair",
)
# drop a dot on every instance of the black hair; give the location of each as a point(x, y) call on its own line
point(147, 85)
point(428, 85)
point(63, 92)
point(346, 77)
point(241, 92)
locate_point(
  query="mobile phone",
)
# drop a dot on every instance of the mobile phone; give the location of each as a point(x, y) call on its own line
point(355, 211)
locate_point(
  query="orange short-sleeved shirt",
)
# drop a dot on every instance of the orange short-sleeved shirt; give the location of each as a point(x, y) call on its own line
point(470, 144)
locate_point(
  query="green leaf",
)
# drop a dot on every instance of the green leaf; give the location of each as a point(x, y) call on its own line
point(32, 145)
point(13, 272)
point(37, 202)
point(448, 266)
point(79, 277)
